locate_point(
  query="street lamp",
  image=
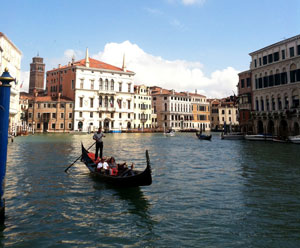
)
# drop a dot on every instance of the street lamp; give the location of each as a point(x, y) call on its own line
point(5, 78)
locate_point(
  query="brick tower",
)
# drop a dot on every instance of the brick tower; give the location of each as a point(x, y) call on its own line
point(37, 74)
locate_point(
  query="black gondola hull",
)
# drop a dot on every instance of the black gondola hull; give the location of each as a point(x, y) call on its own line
point(140, 178)
point(203, 137)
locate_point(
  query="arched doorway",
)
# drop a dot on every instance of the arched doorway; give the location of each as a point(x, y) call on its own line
point(283, 129)
point(271, 129)
point(296, 128)
point(260, 127)
point(80, 124)
point(128, 125)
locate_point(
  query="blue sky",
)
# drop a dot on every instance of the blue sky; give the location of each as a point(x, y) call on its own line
point(207, 40)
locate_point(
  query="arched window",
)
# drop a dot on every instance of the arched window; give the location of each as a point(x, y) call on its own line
point(100, 84)
point(106, 101)
point(262, 107)
point(273, 103)
point(106, 84)
point(112, 85)
point(286, 102)
point(279, 103)
point(111, 101)
point(295, 99)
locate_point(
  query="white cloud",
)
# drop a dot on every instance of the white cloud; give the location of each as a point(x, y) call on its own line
point(180, 75)
point(192, 2)
point(188, 2)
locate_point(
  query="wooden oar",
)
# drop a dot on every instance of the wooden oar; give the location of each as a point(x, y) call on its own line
point(77, 159)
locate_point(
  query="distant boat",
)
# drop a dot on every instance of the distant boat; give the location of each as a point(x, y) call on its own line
point(203, 137)
point(259, 137)
point(170, 132)
point(295, 139)
point(232, 136)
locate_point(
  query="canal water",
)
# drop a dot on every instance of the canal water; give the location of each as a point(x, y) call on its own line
point(217, 193)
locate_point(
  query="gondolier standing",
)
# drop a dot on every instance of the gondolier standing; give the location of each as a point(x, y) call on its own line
point(99, 143)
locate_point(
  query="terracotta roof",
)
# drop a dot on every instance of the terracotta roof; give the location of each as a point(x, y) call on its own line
point(93, 64)
point(44, 98)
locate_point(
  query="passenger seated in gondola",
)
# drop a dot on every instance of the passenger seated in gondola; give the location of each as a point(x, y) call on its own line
point(113, 170)
point(102, 166)
point(128, 172)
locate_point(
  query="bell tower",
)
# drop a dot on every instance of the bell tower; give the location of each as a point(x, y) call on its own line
point(37, 74)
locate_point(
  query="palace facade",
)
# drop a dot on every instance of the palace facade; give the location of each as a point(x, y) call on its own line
point(102, 93)
point(275, 73)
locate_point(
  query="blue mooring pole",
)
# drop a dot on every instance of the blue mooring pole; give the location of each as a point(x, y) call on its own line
point(4, 117)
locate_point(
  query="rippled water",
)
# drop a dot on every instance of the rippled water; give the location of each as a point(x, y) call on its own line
point(204, 194)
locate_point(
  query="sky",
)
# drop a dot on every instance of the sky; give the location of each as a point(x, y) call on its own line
point(185, 45)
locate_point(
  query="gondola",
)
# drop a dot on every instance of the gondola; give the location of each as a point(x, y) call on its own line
point(134, 179)
point(203, 137)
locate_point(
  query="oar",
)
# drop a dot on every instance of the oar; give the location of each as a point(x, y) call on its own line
point(77, 159)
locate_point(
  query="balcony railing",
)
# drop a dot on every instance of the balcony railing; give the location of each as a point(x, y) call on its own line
point(107, 109)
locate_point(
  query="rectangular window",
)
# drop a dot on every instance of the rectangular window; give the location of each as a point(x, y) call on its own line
point(80, 114)
point(128, 104)
point(91, 114)
point(61, 125)
point(255, 64)
point(38, 126)
point(282, 54)
point(81, 83)
point(128, 115)
point(70, 115)
point(30, 115)
point(53, 125)
point(80, 102)
point(92, 84)
point(276, 56)
point(61, 115)
point(242, 83)
point(248, 82)
point(129, 87)
point(292, 53)
point(38, 115)
point(298, 50)
point(259, 61)
point(270, 58)
point(92, 102)
point(120, 87)
point(70, 125)
point(54, 115)
point(120, 115)
point(265, 60)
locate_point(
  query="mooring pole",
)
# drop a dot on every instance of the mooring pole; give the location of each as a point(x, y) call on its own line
point(4, 117)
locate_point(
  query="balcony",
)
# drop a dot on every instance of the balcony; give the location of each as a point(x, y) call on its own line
point(106, 109)
point(106, 92)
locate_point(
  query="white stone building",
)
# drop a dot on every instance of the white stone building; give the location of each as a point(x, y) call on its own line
point(103, 94)
point(142, 106)
point(10, 57)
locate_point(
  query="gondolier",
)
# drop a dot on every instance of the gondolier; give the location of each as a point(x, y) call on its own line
point(99, 143)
